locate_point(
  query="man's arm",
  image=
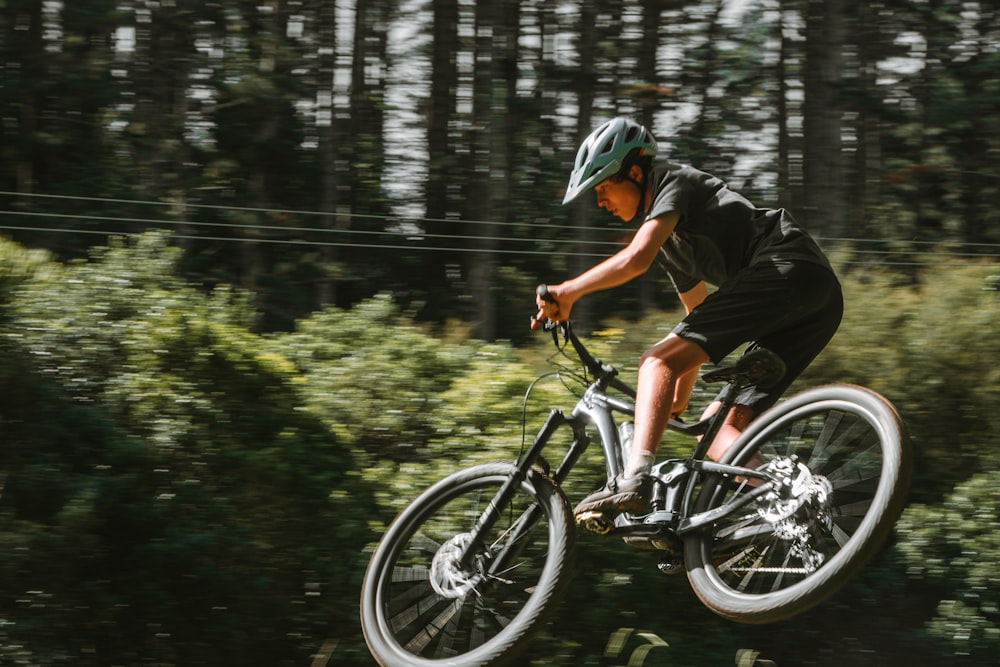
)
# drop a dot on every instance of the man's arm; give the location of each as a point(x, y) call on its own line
point(629, 262)
point(694, 296)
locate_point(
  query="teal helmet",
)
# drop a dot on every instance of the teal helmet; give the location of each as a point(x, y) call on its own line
point(607, 151)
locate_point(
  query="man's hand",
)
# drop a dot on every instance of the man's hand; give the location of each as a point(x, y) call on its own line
point(552, 305)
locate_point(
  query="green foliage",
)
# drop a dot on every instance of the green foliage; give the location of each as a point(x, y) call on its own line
point(927, 349)
point(162, 477)
point(373, 379)
point(954, 547)
point(413, 407)
point(18, 266)
point(210, 494)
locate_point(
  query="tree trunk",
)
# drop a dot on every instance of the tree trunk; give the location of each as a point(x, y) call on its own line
point(442, 164)
point(868, 169)
point(480, 261)
point(786, 196)
point(328, 146)
point(705, 155)
point(494, 87)
point(825, 203)
point(30, 64)
point(579, 210)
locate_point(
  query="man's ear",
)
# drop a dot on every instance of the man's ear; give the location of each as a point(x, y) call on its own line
point(635, 172)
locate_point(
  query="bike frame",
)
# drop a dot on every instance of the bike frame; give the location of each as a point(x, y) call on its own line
point(456, 582)
point(678, 478)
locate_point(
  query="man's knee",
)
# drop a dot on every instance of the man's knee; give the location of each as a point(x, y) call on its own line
point(676, 354)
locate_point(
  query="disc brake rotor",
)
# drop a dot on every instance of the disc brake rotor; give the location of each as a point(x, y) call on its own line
point(798, 508)
point(448, 577)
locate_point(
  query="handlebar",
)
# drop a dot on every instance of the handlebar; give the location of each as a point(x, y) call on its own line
point(605, 374)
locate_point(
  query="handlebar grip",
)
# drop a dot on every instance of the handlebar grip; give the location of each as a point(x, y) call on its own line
point(543, 292)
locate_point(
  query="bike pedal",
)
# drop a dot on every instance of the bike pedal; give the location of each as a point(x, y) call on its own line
point(595, 522)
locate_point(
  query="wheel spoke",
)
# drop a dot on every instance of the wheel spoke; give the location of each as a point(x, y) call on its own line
point(856, 485)
point(424, 543)
point(402, 574)
point(858, 477)
point(408, 601)
point(856, 509)
point(416, 613)
point(839, 535)
point(429, 632)
point(829, 427)
point(733, 530)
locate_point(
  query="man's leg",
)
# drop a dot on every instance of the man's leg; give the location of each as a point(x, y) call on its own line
point(659, 369)
point(736, 422)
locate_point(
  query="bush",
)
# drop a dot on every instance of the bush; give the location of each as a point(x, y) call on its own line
point(930, 350)
point(953, 548)
point(168, 497)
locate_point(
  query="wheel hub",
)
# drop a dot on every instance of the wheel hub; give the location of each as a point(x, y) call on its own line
point(448, 577)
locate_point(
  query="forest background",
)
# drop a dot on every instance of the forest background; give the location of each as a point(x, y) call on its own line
point(206, 427)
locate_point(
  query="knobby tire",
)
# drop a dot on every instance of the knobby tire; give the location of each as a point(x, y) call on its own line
point(744, 567)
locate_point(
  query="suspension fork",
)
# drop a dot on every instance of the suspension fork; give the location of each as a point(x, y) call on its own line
point(490, 516)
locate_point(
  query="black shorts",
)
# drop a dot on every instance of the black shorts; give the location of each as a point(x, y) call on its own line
point(791, 308)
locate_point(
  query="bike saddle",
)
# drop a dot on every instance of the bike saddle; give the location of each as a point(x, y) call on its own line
point(759, 368)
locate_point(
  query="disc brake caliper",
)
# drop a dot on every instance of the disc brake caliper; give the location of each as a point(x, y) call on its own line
point(798, 508)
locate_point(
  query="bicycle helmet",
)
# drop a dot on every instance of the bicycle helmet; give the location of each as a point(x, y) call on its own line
point(607, 151)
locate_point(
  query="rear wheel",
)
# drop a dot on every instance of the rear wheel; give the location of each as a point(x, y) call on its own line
point(843, 462)
point(422, 604)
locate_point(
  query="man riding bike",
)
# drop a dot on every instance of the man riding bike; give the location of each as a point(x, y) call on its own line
point(774, 288)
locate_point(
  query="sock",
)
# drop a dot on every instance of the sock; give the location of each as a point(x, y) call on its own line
point(644, 465)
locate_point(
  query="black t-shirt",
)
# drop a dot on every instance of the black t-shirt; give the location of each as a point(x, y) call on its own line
point(719, 231)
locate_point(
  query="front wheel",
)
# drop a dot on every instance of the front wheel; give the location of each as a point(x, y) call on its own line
point(424, 605)
point(842, 462)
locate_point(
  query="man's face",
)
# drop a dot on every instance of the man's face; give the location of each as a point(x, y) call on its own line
point(619, 196)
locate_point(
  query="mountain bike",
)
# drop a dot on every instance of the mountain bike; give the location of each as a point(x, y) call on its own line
point(802, 500)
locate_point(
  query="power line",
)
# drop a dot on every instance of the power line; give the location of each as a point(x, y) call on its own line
point(503, 251)
point(415, 241)
point(302, 242)
point(302, 212)
point(278, 228)
point(854, 242)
